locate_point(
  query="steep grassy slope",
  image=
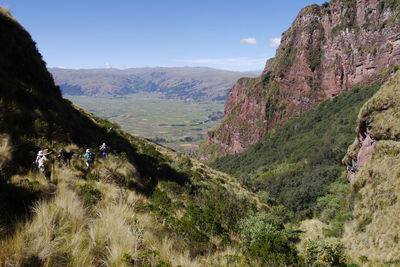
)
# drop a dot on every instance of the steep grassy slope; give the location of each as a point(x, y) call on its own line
point(297, 162)
point(144, 205)
point(372, 237)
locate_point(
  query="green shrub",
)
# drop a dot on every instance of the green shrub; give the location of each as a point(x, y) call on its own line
point(149, 257)
point(91, 177)
point(89, 194)
point(335, 208)
point(185, 161)
point(268, 240)
point(273, 250)
point(324, 253)
point(255, 226)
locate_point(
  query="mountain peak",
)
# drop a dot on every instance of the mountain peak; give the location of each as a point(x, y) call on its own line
point(327, 50)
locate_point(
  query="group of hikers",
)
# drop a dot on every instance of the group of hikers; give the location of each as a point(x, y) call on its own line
point(45, 162)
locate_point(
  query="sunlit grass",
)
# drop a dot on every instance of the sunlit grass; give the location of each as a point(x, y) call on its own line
point(5, 150)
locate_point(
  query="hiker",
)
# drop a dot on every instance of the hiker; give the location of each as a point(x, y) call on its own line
point(89, 158)
point(66, 157)
point(45, 163)
point(103, 149)
point(38, 156)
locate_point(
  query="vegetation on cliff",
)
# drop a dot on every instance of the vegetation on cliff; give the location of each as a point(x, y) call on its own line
point(372, 235)
point(297, 162)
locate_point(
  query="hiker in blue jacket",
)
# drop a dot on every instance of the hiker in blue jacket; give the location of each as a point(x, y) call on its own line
point(89, 156)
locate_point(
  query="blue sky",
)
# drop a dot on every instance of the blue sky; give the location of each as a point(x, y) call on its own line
point(234, 35)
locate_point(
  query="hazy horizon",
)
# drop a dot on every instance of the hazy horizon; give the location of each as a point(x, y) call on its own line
point(234, 35)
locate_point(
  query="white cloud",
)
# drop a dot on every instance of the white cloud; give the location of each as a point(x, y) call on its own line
point(108, 66)
point(250, 41)
point(274, 42)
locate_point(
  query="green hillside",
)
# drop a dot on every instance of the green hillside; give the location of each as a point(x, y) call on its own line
point(143, 206)
point(296, 163)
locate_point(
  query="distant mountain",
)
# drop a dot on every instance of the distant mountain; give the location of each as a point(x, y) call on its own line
point(188, 83)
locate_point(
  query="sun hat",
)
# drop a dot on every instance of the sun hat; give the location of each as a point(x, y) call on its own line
point(40, 153)
point(46, 152)
point(87, 150)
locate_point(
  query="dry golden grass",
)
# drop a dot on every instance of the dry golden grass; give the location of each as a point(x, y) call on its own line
point(52, 232)
point(112, 231)
point(65, 232)
point(374, 232)
point(5, 150)
point(5, 12)
point(372, 237)
point(111, 170)
point(311, 229)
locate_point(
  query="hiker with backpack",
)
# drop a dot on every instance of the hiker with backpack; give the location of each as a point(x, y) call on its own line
point(104, 150)
point(65, 157)
point(38, 157)
point(44, 162)
point(89, 156)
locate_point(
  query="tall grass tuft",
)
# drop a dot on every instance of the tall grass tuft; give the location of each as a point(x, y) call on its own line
point(5, 150)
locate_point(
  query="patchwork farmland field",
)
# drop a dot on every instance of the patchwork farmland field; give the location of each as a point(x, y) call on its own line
point(174, 123)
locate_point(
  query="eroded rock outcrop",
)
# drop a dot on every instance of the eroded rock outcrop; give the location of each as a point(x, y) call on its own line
point(327, 50)
point(373, 164)
point(379, 120)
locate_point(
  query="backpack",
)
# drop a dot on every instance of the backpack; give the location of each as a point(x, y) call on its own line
point(91, 156)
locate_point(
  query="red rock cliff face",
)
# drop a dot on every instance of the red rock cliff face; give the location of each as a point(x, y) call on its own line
point(327, 50)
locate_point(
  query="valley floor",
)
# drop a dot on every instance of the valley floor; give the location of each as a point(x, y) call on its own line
point(174, 123)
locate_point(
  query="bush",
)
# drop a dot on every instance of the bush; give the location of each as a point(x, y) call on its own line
point(91, 177)
point(89, 194)
point(255, 226)
point(324, 253)
point(185, 161)
point(335, 207)
point(273, 250)
point(267, 239)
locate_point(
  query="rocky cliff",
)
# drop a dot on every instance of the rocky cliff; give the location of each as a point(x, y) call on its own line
point(373, 165)
point(378, 121)
point(327, 50)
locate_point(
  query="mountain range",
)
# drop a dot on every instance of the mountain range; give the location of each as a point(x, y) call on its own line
point(143, 205)
point(186, 83)
point(318, 185)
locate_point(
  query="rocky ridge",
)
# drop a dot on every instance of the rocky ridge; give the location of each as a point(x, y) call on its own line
point(373, 167)
point(377, 122)
point(327, 50)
